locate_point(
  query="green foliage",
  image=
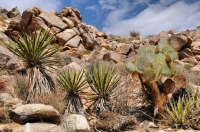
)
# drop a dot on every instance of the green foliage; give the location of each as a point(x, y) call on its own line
point(103, 81)
point(37, 53)
point(73, 83)
point(134, 33)
point(188, 66)
point(183, 112)
point(158, 60)
point(34, 50)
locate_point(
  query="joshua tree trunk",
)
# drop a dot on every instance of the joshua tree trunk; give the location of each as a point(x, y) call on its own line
point(40, 83)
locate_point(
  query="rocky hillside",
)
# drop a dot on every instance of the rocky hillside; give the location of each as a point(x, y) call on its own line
point(81, 44)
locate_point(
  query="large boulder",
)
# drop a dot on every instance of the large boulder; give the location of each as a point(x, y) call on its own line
point(75, 122)
point(179, 41)
point(26, 18)
point(34, 112)
point(8, 60)
point(43, 127)
point(74, 42)
point(117, 57)
point(52, 20)
point(36, 24)
point(66, 35)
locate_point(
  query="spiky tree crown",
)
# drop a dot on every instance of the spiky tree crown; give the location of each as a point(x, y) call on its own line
point(154, 62)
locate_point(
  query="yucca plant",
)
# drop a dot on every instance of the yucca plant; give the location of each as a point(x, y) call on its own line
point(73, 83)
point(37, 53)
point(103, 80)
point(183, 112)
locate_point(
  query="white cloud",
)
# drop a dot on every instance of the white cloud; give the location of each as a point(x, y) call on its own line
point(157, 17)
point(24, 4)
point(108, 4)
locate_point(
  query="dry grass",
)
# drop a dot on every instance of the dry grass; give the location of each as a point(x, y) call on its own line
point(21, 86)
point(57, 100)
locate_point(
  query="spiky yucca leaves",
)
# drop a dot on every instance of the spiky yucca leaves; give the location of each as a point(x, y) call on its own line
point(73, 83)
point(37, 53)
point(103, 80)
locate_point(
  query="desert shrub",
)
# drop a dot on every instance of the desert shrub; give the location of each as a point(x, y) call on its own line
point(55, 99)
point(134, 33)
point(37, 53)
point(183, 112)
point(150, 66)
point(4, 115)
point(21, 86)
point(103, 80)
point(73, 83)
point(122, 40)
point(65, 59)
point(188, 66)
point(107, 47)
point(85, 52)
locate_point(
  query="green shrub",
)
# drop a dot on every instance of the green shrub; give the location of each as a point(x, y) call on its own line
point(183, 112)
point(134, 33)
point(103, 80)
point(188, 66)
point(73, 83)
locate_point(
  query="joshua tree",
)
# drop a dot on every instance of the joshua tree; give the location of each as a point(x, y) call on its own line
point(153, 63)
point(37, 53)
point(73, 83)
point(103, 81)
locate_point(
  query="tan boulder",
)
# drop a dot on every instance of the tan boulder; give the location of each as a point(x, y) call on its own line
point(36, 11)
point(43, 127)
point(74, 42)
point(9, 100)
point(95, 55)
point(66, 11)
point(102, 34)
point(123, 48)
point(75, 122)
point(117, 57)
point(55, 30)
point(52, 20)
point(68, 22)
point(78, 14)
point(34, 112)
point(179, 41)
point(66, 35)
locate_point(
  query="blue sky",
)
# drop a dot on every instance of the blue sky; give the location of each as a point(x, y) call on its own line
point(119, 17)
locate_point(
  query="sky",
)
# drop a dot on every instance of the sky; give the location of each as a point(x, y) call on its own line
point(120, 17)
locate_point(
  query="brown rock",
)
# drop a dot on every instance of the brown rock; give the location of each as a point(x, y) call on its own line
point(185, 53)
point(179, 41)
point(163, 35)
point(109, 121)
point(64, 36)
point(26, 18)
point(52, 20)
point(117, 57)
point(95, 55)
point(123, 48)
point(102, 34)
point(66, 11)
point(36, 24)
point(14, 13)
point(34, 112)
point(55, 30)
point(75, 20)
point(36, 11)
